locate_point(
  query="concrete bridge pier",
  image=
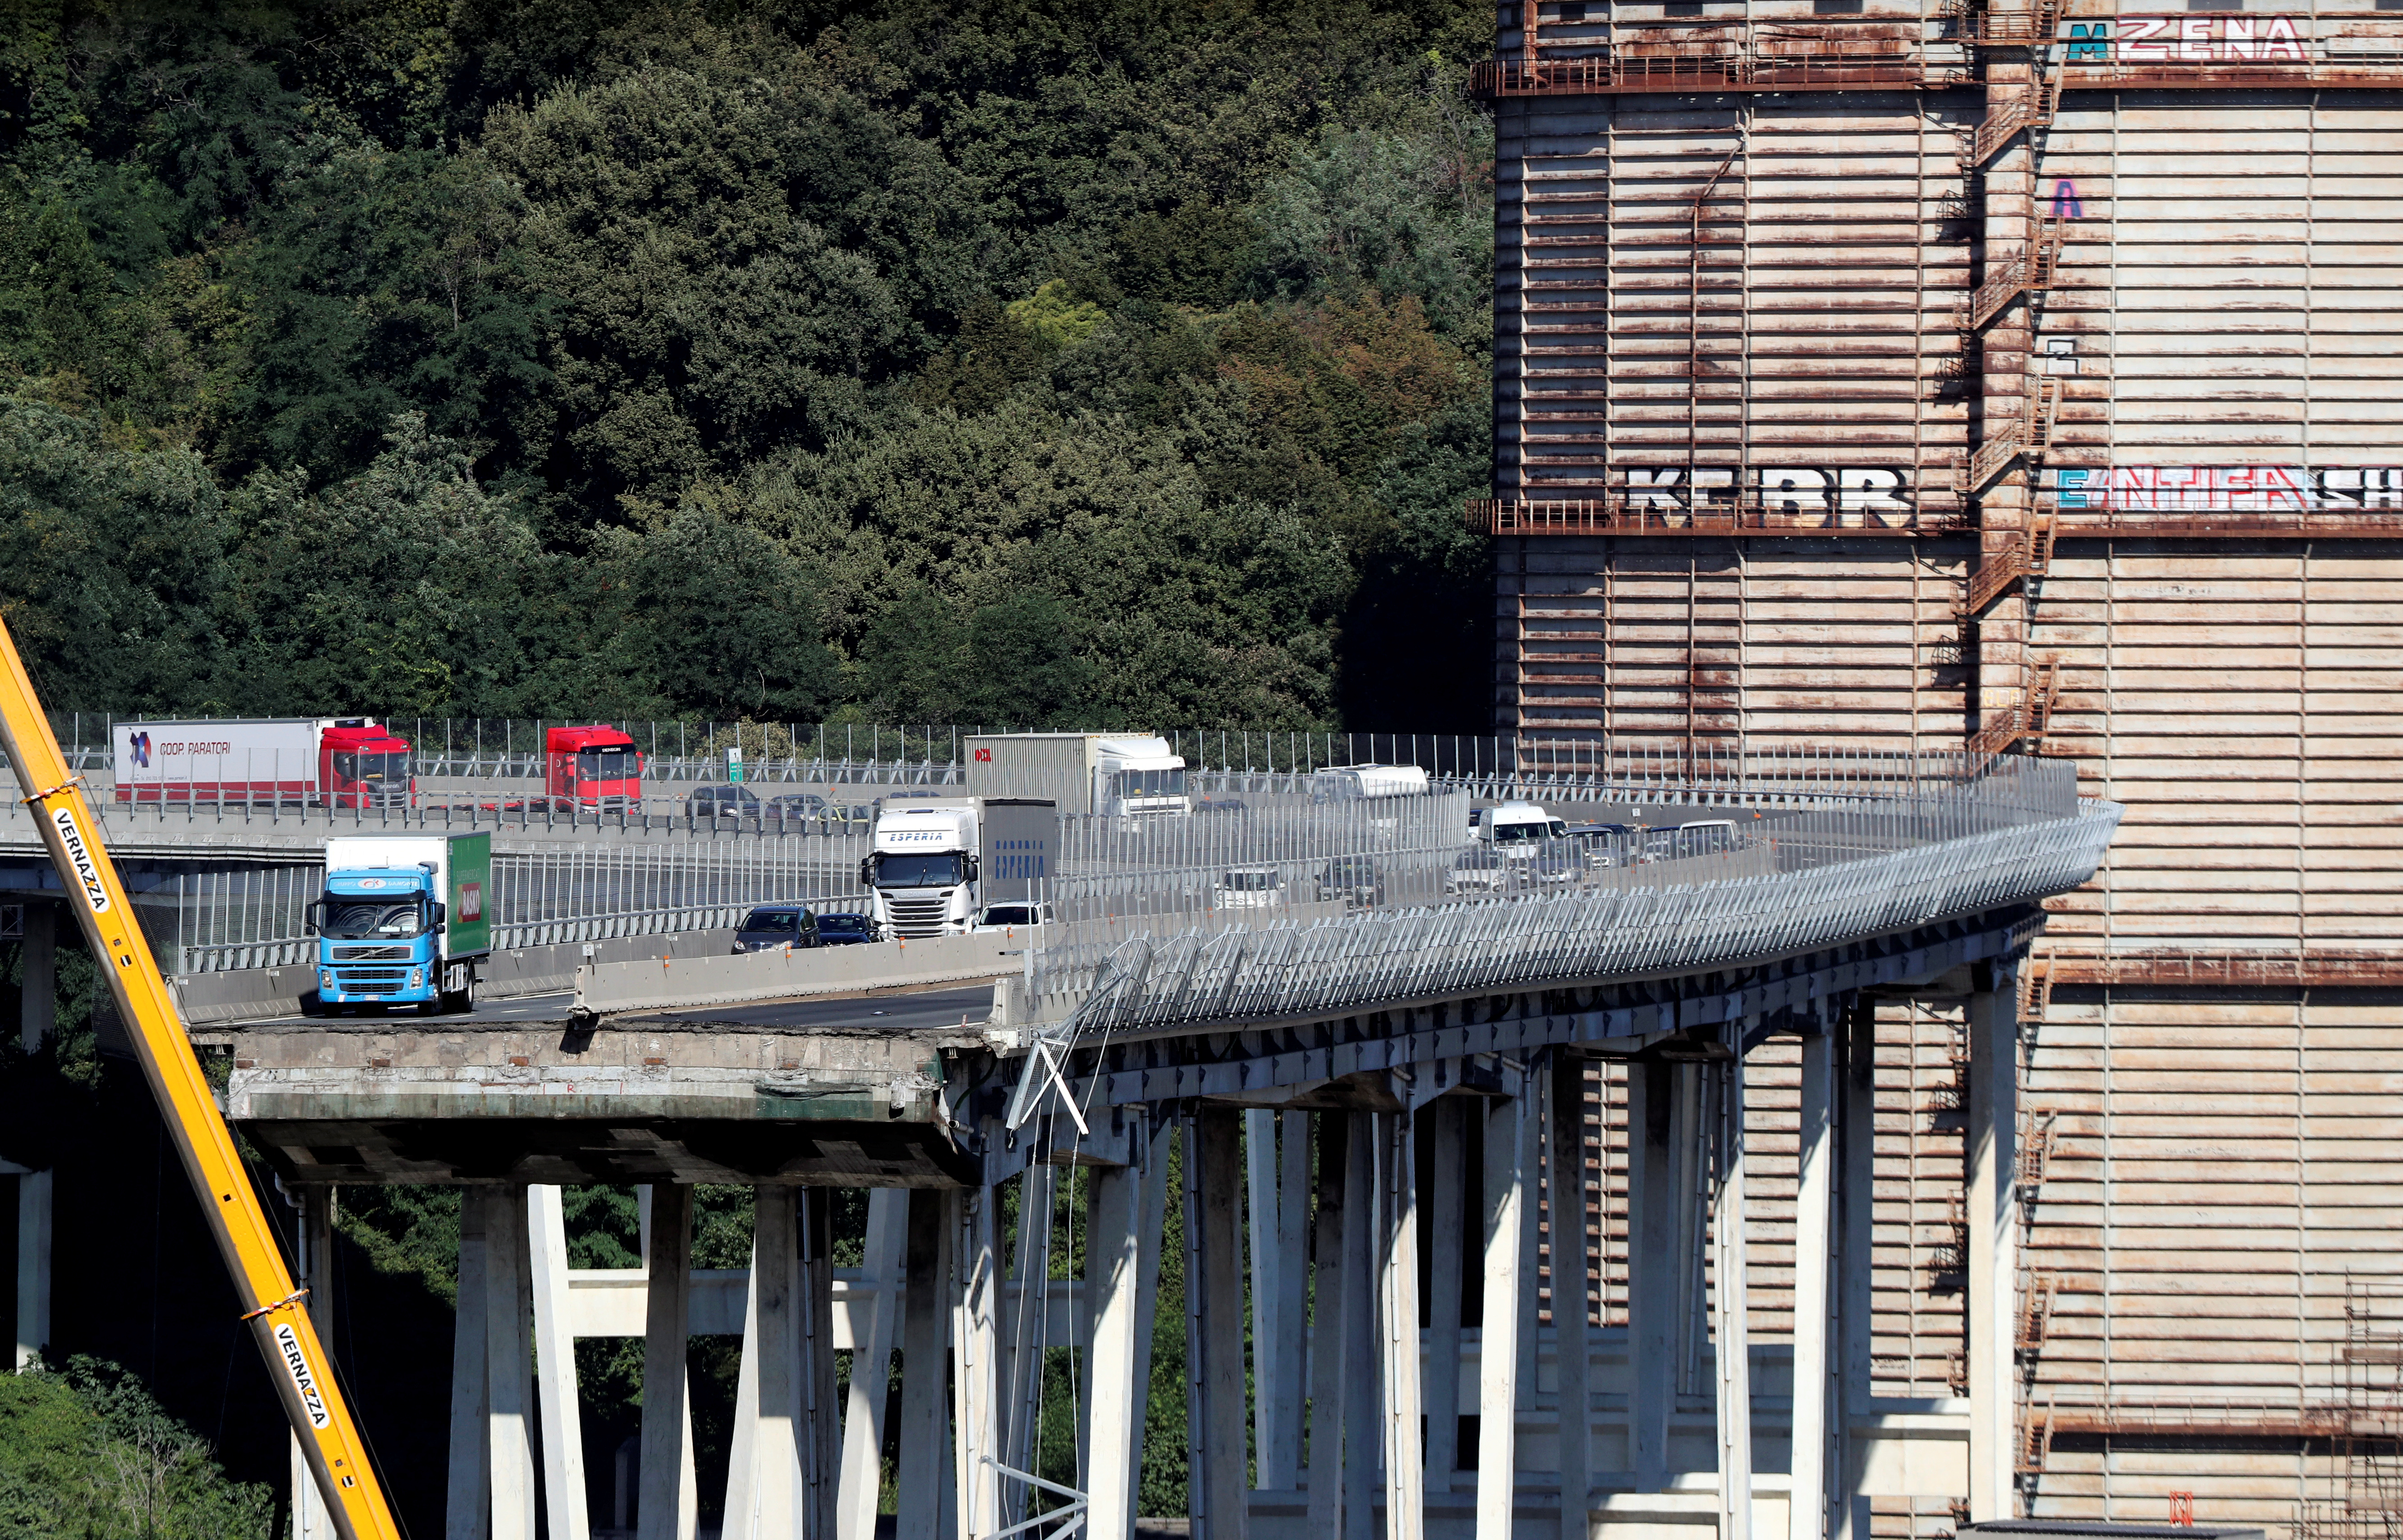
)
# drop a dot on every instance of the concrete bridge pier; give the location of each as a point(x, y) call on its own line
point(36, 1190)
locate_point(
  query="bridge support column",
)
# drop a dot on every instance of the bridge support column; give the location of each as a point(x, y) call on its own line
point(1214, 1292)
point(1570, 1331)
point(1447, 1202)
point(36, 1190)
point(976, 1359)
point(871, 1361)
point(764, 1459)
point(1276, 1181)
point(925, 1474)
point(1655, 1265)
point(508, 1361)
point(1121, 1273)
point(563, 1429)
point(1024, 1327)
point(1509, 1178)
point(1994, 1237)
point(1732, 1345)
point(1807, 1501)
point(1857, 1122)
point(470, 1484)
point(315, 1273)
point(1362, 1430)
point(1397, 1300)
point(668, 1507)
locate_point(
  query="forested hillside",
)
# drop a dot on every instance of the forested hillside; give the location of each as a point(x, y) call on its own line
point(1000, 361)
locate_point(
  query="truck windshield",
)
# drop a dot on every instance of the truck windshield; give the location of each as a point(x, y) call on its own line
point(918, 871)
point(1149, 782)
point(371, 766)
point(357, 919)
point(611, 764)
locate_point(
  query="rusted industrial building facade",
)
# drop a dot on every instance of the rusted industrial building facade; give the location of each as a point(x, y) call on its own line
point(2021, 378)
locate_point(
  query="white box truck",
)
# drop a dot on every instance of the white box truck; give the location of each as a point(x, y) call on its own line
point(1115, 775)
point(934, 864)
point(340, 762)
point(403, 919)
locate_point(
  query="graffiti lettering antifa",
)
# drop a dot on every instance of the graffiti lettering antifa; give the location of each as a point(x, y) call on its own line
point(2229, 488)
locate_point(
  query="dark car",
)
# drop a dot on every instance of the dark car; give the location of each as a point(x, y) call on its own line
point(722, 802)
point(1606, 845)
point(847, 930)
point(796, 807)
point(773, 925)
point(1353, 878)
point(1558, 862)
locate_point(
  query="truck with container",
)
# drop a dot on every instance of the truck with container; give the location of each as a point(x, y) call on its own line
point(404, 920)
point(1127, 776)
point(936, 862)
point(592, 770)
point(316, 762)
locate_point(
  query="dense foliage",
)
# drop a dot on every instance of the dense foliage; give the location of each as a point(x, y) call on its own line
point(1013, 361)
point(87, 1452)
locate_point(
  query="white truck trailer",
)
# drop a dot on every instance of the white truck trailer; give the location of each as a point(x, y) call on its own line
point(1115, 775)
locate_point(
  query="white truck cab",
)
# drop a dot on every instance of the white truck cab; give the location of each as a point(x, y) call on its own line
point(934, 864)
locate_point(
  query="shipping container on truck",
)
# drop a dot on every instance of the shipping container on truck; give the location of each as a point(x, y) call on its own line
point(1114, 775)
point(592, 770)
point(406, 918)
point(336, 762)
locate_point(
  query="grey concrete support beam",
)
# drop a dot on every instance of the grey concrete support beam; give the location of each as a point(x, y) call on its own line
point(509, 1360)
point(1444, 1239)
point(1509, 1134)
point(1330, 1384)
point(554, 1351)
point(1653, 1267)
point(1398, 1319)
point(819, 1432)
point(925, 1474)
point(1570, 1330)
point(1024, 1327)
point(1358, 1281)
point(314, 1270)
point(469, 1496)
point(1731, 1340)
point(878, 1325)
point(1290, 1345)
point(975, 1357)
point(1274, 1378)
point(1123, 1245)
point(1993, 1242)
point(1814, 1216)
point(1856, 1198)
point(666, 1505)
point(764, 1457)
point(36, 1190)
point(1221, 1483)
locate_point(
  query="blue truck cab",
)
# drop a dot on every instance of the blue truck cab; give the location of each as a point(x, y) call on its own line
point(402, 921)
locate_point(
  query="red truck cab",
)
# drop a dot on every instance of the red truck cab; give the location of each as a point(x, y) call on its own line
point(593, 769)
point(360, 765)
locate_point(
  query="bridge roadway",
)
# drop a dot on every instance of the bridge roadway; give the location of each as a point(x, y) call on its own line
point(1295, 1067)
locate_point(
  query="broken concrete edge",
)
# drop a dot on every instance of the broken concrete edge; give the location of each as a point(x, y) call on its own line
point(609, 989)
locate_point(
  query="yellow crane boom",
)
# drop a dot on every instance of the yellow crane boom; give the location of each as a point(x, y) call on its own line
point(296, 1362)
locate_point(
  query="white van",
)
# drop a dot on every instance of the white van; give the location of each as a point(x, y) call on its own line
point(1515, 829)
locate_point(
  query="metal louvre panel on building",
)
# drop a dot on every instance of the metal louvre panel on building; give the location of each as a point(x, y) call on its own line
point(2230, 295)
point(1796, 356)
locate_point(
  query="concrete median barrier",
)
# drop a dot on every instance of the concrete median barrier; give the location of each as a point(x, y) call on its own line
point(665, 983)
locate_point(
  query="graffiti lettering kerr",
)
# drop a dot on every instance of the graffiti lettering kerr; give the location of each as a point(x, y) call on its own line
point(71, 837)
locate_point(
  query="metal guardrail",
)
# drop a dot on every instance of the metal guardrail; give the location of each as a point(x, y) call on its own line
point(1594, 931)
